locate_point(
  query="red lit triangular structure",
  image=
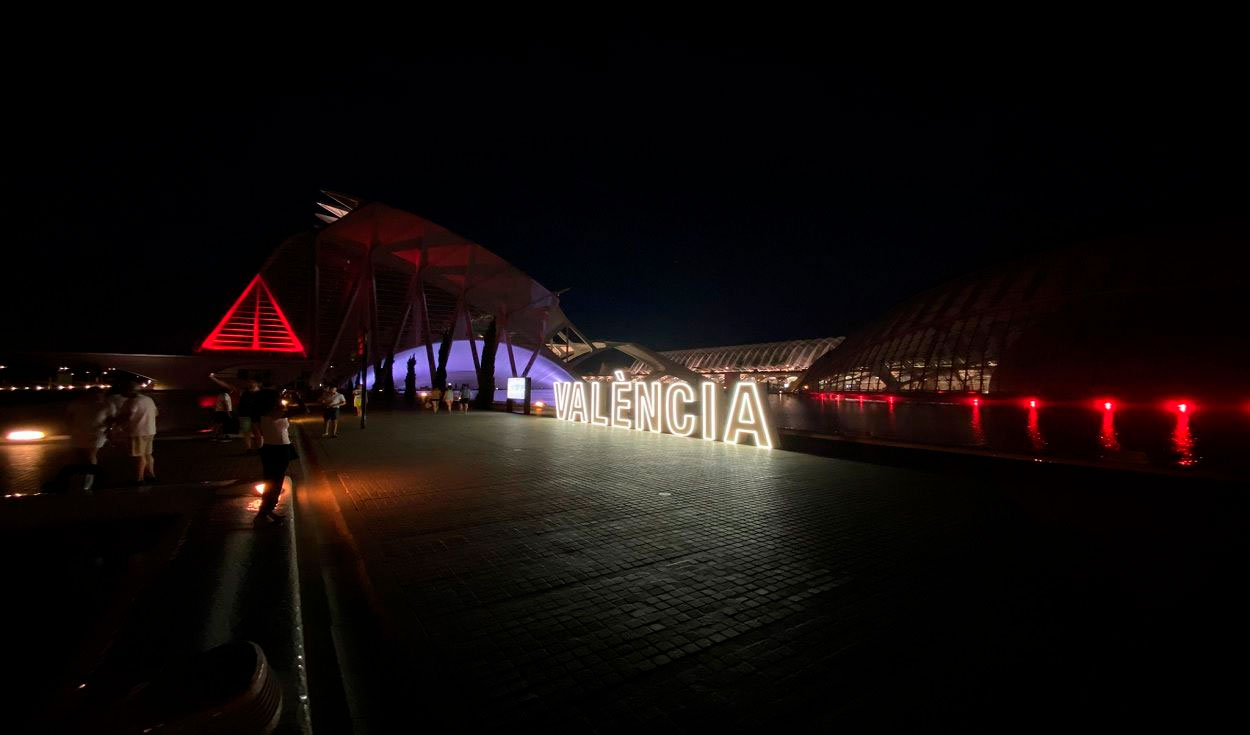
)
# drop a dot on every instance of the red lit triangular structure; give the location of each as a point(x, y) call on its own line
point(254, 324)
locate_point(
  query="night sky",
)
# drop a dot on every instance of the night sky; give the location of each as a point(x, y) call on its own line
point(688, 192)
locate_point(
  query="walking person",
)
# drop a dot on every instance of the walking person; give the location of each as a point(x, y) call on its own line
point(436, 398)
point(89, 420)
point(331, 401)
point(222, 410)
point(449, 398)
point(138, 417)
point(275, 455)
point(247, 410)
point(464, 398)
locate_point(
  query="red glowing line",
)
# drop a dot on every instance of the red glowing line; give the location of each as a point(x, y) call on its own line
point(284, 341)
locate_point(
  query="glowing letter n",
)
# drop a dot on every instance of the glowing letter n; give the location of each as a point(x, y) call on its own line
point(647, 407)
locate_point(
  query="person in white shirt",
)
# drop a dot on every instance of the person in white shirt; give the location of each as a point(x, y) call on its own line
point(222, 409)
point(89, 420)
point(138, 417)
point(275, 455)
point(331, 402)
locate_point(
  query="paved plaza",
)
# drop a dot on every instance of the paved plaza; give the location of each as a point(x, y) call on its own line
point(543, 573)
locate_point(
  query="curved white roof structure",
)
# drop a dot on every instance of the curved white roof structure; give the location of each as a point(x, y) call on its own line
point(791, 356)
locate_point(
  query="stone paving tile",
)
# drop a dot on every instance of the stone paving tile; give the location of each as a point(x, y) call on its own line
point(612, 580)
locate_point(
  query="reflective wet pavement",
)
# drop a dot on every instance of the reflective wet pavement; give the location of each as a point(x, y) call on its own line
point(1203, 439)
point(541, 573)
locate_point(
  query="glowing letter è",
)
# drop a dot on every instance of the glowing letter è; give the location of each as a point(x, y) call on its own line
point(679, 422)
point(596, 405)
point(647, 407)
point(577, 402)
point(746, 415)
point(621, 404)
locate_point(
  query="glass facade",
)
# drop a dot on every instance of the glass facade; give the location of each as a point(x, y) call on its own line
point(1072, 323)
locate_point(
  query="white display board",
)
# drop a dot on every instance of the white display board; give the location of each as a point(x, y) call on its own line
point(518, 389)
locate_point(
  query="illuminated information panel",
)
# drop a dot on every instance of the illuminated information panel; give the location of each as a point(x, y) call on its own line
point(673, 408)
point(518, 389)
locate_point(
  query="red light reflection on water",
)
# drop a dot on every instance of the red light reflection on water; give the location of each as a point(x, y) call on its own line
point(1035, 429)
point(1183, 440)
point(1106, 434)
point(978, 431)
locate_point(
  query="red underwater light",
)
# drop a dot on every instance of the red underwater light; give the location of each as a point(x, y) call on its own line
point(1107, 405)
point(1032, 403)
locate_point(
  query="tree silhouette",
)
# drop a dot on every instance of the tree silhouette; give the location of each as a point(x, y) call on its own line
point(410, 381)
point(486, 373)
point(440, 373)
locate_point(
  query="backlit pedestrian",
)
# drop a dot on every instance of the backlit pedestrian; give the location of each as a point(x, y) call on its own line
point(138, 416)
point(275, 455)
point(331, 402)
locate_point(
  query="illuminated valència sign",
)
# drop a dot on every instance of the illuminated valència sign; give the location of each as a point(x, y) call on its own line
point(674, 408)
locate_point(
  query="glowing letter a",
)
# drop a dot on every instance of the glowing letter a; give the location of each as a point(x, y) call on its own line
point(577, 402)
point(746, 415)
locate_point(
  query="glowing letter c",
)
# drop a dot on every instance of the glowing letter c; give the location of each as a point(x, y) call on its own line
point(678, 421)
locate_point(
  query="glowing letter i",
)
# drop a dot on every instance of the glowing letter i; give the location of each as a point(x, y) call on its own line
point(708, 405)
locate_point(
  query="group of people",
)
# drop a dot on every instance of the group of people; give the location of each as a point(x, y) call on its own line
point(451, 397)
point(129, 414)
point(260, 413)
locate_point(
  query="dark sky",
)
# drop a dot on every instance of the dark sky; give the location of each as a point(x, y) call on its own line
point(688, 191)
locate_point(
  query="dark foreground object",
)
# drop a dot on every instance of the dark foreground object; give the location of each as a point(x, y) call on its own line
point(114, 589)
point(230, 689)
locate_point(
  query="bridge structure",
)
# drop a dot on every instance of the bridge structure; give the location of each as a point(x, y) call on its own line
point(376, 288)
point(374, 292)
